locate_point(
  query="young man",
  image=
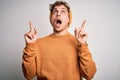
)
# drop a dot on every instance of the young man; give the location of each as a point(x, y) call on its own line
point(60, 55)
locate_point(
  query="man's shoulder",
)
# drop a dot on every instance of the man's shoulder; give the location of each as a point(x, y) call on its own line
point(43, 38)
point(71, 36)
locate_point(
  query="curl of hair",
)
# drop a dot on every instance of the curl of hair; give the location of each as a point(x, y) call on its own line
point(51, 6)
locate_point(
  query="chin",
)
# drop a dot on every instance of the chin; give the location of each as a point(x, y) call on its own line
point(58, 30)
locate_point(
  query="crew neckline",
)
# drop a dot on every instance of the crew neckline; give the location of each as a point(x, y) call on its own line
point(58, 36)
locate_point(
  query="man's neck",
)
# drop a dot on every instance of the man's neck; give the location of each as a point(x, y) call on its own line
point(60, 33)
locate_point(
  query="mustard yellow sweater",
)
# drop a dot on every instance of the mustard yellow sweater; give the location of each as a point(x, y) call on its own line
point(57, 58)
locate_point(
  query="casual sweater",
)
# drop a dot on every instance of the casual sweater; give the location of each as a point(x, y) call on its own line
point(57, 58)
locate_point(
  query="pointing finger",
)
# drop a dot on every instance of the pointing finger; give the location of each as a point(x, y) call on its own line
point(83, 25)
point(31, 26)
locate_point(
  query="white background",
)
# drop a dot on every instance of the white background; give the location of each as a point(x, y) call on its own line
point(103, 26)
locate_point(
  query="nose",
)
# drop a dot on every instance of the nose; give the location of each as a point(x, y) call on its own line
point(59, 13)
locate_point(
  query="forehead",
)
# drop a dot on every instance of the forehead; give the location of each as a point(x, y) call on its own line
point(60, 7)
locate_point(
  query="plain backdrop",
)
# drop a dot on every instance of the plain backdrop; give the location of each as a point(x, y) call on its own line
point(103, 27)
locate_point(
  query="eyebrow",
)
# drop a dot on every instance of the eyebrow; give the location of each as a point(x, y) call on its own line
point(60, 8)
point(64, 8)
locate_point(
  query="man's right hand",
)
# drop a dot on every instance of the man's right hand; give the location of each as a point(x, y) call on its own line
point(32, 35)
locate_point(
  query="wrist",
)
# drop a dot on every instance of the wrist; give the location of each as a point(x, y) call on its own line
point(82, 44)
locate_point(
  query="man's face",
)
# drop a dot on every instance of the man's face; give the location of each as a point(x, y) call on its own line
point(60, 18)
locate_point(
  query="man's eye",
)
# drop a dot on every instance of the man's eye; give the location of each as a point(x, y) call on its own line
point(63, 11)
point(54, 11)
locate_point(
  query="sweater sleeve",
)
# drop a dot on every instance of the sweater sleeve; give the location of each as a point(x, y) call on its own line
point(29, 60)
point(87, 65)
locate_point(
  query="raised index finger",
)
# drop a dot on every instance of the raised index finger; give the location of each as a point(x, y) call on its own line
point(83, 25)
point(31, 26)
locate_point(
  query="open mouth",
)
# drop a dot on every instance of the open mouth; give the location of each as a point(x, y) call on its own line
point(58, 21)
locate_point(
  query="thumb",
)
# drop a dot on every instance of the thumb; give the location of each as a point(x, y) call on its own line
point(76, 32)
